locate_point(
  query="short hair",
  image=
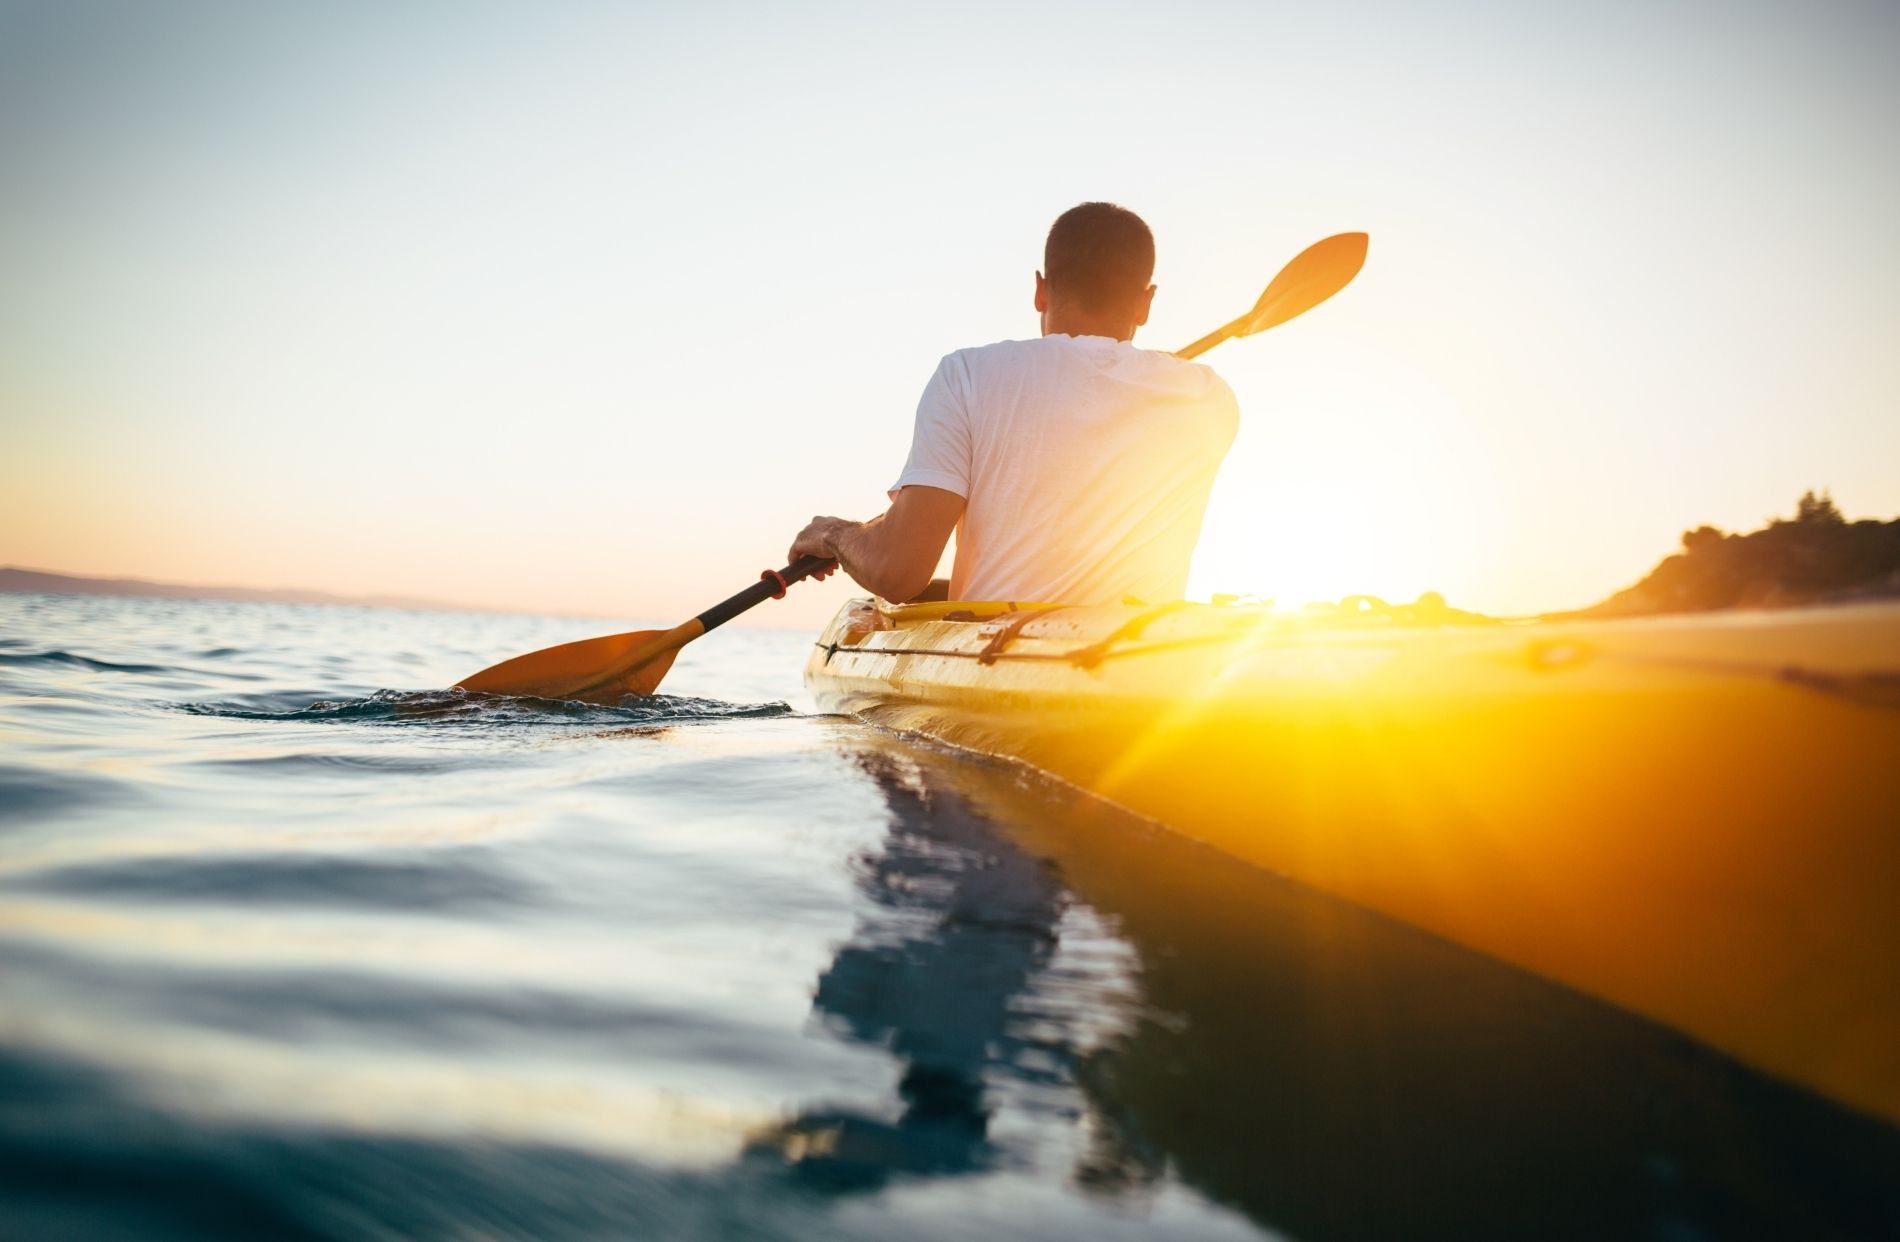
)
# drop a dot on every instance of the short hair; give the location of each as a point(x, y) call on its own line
point(1098, 256)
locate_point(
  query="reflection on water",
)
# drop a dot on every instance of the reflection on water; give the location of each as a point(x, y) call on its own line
point(501, 971)
point(960, 923)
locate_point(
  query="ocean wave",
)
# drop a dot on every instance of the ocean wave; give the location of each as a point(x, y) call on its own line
point(99, 1151)
point(462, 706)
point(449, 880)
point(342, 1003)
point(72, 659)
point(340, 762)
point(36, 795)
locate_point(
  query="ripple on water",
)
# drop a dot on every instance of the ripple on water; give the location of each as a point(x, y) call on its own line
point(98, 1139)
point(337, 762)
point(39, 794)
point(69, 659)
point(449, 880)
point(285, 1001)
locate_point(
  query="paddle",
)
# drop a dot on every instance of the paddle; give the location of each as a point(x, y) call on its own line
point(604, 670)
point(1315, 274)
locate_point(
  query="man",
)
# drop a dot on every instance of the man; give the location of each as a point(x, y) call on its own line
point(1073, 468)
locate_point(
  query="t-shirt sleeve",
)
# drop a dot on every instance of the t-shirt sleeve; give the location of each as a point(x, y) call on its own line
point(940, 445)
point(1227, 426)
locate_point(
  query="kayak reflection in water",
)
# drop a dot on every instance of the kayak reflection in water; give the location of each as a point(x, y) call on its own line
point(962, 921)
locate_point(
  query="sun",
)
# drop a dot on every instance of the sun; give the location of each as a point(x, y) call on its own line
point(1350, 476)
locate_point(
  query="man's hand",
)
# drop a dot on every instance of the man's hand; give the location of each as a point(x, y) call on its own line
point(893, 554)
point(819, 539)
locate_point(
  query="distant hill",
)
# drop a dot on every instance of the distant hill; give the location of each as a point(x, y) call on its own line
point(1815, 557)
point(14, 579)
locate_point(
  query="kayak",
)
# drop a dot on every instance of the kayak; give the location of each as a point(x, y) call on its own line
point(1694, 817)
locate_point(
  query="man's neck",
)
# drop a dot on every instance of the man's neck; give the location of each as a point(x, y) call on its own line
point(1056, 323)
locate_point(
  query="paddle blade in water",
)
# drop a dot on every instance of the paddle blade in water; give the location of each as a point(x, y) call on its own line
point(1315, 274)
point(593, 670)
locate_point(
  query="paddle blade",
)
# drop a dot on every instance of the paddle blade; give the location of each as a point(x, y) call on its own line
point(1315, 274)
point(576, 670)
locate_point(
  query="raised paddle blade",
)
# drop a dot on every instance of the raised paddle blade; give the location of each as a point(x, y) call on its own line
point(1315, 274)
point(574, 670)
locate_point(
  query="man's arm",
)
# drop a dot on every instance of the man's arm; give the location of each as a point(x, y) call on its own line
point(892, 555)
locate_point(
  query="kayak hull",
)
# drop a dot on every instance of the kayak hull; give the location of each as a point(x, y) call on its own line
point(1695, 818)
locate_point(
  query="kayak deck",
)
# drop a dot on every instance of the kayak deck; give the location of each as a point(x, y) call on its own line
point(1697, 818)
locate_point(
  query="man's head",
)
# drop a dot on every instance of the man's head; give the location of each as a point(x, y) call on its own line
point(1096, 267)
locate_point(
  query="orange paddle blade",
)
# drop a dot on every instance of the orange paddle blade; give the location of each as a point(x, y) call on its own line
point(593, 670)
point(1309, 278)
point(1314, 274)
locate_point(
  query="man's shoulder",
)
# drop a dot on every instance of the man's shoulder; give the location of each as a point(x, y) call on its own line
point(994, 354)
point(1151, 369)
point(1059, 350)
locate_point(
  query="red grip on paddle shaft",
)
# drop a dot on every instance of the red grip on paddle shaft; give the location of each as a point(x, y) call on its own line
point(804, 567)
point(772, 584)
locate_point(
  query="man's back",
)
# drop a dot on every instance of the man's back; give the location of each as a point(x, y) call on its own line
point(1085, 464)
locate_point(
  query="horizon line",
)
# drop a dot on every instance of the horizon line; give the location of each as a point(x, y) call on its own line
point(25, 580)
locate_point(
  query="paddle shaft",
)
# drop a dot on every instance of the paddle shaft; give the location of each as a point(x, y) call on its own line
point(1225, 332)
point(769, 586)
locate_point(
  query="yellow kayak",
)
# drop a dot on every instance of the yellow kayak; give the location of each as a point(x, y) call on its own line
point(1695, 817)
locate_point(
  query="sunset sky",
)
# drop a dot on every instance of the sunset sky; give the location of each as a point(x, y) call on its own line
point(587, 307)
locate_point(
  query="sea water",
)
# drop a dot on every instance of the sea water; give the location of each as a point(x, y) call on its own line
point(294, 943)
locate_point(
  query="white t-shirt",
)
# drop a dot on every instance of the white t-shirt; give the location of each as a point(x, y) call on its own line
point(1085, 464)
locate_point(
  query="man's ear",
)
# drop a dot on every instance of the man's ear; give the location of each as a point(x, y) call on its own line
point(1141, 307)
point(1042, 293)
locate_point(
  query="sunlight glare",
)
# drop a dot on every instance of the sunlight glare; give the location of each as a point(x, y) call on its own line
point(1355, 472)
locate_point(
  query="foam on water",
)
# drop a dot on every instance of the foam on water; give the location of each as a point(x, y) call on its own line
point(462, 707)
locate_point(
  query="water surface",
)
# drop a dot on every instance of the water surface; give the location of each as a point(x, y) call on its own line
point(295, 944)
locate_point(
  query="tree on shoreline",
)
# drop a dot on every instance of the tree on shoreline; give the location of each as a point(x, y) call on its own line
point(1816, 556)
